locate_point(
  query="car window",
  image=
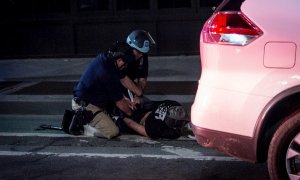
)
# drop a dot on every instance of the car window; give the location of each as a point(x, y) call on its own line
point(230, 5)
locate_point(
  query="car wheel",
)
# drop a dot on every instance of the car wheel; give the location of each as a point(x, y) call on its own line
point(284, 150)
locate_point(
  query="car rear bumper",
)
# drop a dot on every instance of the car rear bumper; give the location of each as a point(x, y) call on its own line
point(231, 144)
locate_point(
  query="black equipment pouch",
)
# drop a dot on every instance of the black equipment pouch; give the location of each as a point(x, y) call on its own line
point(80, 118)
point(73, 121)
point(67, 119)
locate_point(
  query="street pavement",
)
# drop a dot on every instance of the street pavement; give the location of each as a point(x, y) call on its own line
point(37, 91)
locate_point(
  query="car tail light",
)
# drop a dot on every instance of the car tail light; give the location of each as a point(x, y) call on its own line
point(232, 28)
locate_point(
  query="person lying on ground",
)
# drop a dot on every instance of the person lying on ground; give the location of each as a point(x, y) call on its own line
point(167, 119)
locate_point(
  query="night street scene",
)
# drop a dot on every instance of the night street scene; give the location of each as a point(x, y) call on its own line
point(152, 89)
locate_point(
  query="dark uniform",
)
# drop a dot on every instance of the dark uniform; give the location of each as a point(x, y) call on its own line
point(137, 69)
point(100, 84)
point(99, 87)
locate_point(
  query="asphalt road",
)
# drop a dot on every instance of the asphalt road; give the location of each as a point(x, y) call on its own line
point(126, 157)
point(35, 92)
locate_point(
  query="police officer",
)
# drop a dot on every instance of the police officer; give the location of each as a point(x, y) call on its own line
point(135, 76)
point(99, 90)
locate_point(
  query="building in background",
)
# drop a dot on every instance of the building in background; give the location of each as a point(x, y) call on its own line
point(80, 28)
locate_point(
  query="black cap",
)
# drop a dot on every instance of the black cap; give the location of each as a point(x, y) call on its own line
point(121, 50)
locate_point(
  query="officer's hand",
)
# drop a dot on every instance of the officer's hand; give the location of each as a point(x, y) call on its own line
point(137, 100)
point(130, 103)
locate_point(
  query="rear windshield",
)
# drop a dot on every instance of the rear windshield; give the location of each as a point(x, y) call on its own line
point(230, 5)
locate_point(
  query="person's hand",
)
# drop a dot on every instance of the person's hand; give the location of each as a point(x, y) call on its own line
point(137, 100)
point(130, 103)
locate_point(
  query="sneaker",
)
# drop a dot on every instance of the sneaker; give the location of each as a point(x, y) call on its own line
point(115, 118)
point(89, 131)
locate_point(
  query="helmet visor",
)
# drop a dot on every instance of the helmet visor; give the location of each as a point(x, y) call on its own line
point(144, 40)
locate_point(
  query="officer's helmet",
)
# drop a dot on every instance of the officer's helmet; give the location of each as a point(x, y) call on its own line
point(140, 40)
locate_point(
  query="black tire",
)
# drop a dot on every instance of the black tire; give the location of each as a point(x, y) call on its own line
point(283, 143)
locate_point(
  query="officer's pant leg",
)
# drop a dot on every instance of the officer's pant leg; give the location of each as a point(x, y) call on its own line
point(103, 123)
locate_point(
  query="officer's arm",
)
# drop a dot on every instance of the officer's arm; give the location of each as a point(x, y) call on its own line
point(142, 83)
point(129, 84)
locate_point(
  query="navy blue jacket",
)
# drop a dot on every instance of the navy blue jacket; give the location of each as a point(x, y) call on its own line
point(100, 83)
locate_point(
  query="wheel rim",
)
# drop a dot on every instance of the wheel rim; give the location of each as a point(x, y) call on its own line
point(293, 158)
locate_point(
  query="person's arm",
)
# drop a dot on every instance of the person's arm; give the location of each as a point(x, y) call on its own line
point(142, 83)
point(129, 84)
point(140, 129)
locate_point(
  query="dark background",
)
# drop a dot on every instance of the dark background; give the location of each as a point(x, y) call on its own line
point(81, 28)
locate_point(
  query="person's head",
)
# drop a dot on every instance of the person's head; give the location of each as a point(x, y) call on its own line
point(140, 41)
point(166, 120)
point(121, 54)
point(120, 63)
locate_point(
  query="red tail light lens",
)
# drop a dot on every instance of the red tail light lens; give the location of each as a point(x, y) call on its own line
point(232, 28)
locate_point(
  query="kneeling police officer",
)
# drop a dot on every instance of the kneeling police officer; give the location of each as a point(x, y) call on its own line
point(99, 90)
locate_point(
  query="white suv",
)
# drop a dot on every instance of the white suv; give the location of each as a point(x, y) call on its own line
point(248, 99)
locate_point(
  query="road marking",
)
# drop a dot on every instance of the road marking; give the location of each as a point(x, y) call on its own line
point(122, 156)
point(17, 87)
point(174, 152)
point(182, 152)
point(37, 134)
point(135, 138)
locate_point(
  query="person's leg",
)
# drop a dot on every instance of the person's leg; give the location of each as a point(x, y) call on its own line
point(103, 123)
